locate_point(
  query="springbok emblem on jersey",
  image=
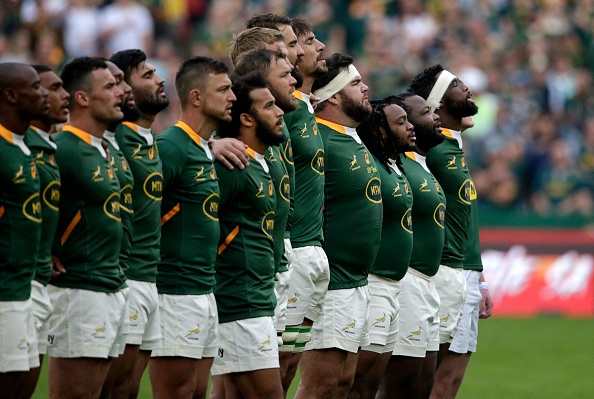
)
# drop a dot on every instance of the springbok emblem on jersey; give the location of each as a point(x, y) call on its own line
point(260, 192)
point(136, 151)
point(97, 174)
point(303, 131)
point(424, 185)
point(396, 189)
point(379, 320)
point(452, 163)
point(18, 175)
point(353, 165)
point(415, 333)
point(199, 174)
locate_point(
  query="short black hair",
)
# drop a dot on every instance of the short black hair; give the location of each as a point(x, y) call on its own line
point(242, 88)
point(128, 60)
point(76, 74)
point(266, 21)
point(193, 73)
point(301, 27)
point(336, 63)
point(42, 68)
point(257, 61)
point(423, 83)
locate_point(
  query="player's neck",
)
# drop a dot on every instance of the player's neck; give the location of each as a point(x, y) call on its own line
point(89, 125)
point(202, 126)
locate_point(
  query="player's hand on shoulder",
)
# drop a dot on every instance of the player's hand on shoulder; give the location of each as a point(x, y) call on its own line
point(230, 152)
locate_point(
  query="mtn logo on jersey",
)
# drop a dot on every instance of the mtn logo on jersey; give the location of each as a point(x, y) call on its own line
point(210, 206)
point(472, 191)
point(126, 198)
point(288, 152)
point(32, 208)
point(153, 186)
point(373, 191)
point(317, 162)
point(439, 215)
point(111, 207)
point(268, 224)
point(451, 164)
point(406, 221)
point(51, 195)
point(284, 188)
point(465, 192)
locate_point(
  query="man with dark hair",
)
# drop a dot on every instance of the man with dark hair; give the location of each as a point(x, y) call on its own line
point(22, 99)
point(283, 24)
point(352, 188)
point(452, 101)
point(386, 133)
point(248, 351)
point(310, 275)
point(137, 142)
point(88, 302)
point(44, 149)
point(180, 365)
point(410, 371)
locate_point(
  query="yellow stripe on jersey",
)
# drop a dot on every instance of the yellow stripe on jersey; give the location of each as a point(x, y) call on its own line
point(189, 131)
point(332, 125)
point(131, 125)
point(6, 134)
point(81, 134)
point(170, 214)
point(70, 227)
point(251, 152)
point(446, 132)
point(411, 155)
point(228, 240)
point(298, 95)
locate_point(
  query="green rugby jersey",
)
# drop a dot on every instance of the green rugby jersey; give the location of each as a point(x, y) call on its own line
point(308, 158)
point(140, 150)
point(428, 214)
point(282, 188)
point(472, 254)
point(397, 234)
point(245, 263)
point(287, 154)
point(446, 162)
point(43, 150)
point(20, 217)
point(189, 213)
point(89, 235)
point(124, 174)
point(353, 206)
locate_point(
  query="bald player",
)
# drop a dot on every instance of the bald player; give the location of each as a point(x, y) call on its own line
point(22, 99)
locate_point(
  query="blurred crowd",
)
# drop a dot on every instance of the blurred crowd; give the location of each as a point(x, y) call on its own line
point(529, 64)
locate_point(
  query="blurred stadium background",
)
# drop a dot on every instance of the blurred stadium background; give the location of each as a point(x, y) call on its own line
point(530, 65)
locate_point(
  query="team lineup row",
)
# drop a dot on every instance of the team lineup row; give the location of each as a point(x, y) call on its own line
point(270, 228)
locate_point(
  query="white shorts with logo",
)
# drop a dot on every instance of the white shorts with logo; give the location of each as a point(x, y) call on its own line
point(418, 319)
point(143, 314)
point(18, 346)
point(189, 324)
point(308, 285)
point(343, 324)
point(451, 287)
point(85, 323)
point(281, 290)
point(466, 337)
point(383, 314)
point(42, 310)
point(246, 345)
point(125, 326)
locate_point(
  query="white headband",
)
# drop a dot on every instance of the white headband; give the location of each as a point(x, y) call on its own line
point(439, 89)
point(338, 83)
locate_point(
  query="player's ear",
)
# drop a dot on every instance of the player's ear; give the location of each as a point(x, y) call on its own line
point(195, 98)
point(246, 120)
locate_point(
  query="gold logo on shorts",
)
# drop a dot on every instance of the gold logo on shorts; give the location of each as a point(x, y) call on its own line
point(380, 320)
point(294, 299)
point(134, 316)
point(194, 331)
point(265, 343)
point(445, 319)
point(22, 343)
point(415, 333)
point(350, 325)
point(99, 330)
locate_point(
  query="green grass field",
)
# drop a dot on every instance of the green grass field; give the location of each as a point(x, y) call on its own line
point(540, 358)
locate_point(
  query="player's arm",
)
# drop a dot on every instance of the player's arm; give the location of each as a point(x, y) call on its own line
point(229, 151)
point(486, 307)
point(173, 159)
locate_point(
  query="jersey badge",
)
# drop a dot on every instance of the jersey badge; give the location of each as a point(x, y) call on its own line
point(353, 165)
point(260, 193)
point(424, 188)
point(304, 131)
point(96, 177)
point(451, 165)
point(199, 174)
point(136, 152)
point(19, 176)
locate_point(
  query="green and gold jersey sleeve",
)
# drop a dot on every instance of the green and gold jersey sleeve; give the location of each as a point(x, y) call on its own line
point(122, 170)
point(141, 152)
point(353, 206)
point(472, 254)
point(286, 150)
point(446, 162)
point(245, 263)
point(43, 151)
point(89, 234)
point(189, 213)
point(282, 188)
point(428, 215)
point(308, 158)
point(397, 235)
point(20, 217)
